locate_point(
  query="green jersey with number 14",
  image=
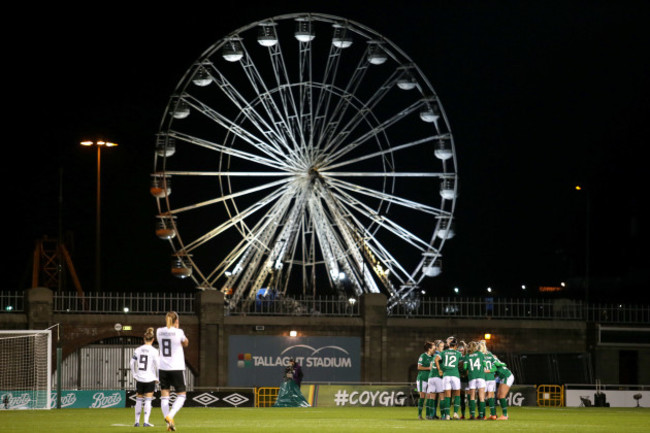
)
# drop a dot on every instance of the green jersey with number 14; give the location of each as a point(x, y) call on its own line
point(474, 365)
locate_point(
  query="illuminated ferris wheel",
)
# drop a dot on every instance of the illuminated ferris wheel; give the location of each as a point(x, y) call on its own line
point(305, 154)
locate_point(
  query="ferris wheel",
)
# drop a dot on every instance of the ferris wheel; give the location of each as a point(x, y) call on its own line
point(305, 154)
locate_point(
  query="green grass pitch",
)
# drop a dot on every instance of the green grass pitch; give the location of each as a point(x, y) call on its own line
point(348, 419)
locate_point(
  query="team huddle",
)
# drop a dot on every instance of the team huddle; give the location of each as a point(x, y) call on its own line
point(450, 368)
point(167, 367)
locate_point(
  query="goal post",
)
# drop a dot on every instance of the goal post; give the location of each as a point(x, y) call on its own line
point(25, 369)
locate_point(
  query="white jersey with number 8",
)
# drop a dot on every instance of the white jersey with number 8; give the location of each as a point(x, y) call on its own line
point(170, 345)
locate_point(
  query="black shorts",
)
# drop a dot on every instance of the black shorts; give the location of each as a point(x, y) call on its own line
point(172, 378)
point(142, 388)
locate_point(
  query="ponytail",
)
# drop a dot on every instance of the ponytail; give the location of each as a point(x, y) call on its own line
point(171, 318)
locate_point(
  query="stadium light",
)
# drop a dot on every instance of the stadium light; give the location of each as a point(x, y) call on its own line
point(293, 333)
point(487, 337)
point(99, 144)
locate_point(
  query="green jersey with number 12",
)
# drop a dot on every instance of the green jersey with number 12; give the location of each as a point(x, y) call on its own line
point(449, 361)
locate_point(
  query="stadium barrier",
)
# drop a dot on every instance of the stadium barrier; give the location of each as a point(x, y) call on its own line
point(212, 397)
point(550, 395)
point(589, 395)
point(266, 396)
point(386, 395)
point(94, 399)
point(70, 399)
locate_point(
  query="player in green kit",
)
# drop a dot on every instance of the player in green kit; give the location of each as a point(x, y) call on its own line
point(506, 379)
point(475, 365)
point(490, 380)
point(447, 363)
point(424, 367)
point(434, 387)
point(464, 381)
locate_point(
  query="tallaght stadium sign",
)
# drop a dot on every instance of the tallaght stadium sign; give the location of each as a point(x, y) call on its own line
point(314, 359)
point(261, 360)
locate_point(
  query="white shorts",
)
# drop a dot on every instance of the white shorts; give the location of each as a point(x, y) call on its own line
point(451, 383)
point(477, 384)
point(490, 385)
point(510, 380)
point(422, 385)
point(435, 385)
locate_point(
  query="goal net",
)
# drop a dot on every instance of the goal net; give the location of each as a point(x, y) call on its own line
point(25, 369)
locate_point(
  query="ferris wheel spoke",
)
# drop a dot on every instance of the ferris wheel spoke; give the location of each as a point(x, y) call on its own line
point(268, 147)
point(354, 261)
point(364, 111)
point(274, 131)
point(369, 240)
point(226, 173)
point(237, 252)
point(288, 108)
point(228, 197)
point(381, 153)
point(280, 118)
point(237, 218)
point(386, 223)
point(337, 148)
point(289, 112)
point(344, 102)
point(259, 269)
point(336, 261)
point(337, 183)
point(279, 165)
point(380, 174)
point(325, 96)
point(256, 243)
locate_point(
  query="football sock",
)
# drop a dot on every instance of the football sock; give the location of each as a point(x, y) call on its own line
point(447, 405)
point(472, 407)
point(434, 405)
point(178, 404)
point(504, 406)
point(147, 409)
point(430, 410)
point(493, 408)
point(164, 406)
point(481, 409)
point(138, 408)
point(456, 403)
point(420, 404)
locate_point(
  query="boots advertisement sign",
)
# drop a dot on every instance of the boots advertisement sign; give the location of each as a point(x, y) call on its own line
point(261, 360)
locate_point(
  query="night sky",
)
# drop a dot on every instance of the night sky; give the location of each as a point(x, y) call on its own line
point(540, 95)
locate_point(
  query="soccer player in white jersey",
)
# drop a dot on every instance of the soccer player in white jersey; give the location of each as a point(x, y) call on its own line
point(144, 367)
point(171, 342)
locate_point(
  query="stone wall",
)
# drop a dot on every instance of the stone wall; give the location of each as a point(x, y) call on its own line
point(390, 346)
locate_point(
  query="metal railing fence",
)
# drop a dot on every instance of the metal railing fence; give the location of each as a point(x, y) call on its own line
point(12, 302)
point(434, 307)
point(112, 303)
point(301, 306)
